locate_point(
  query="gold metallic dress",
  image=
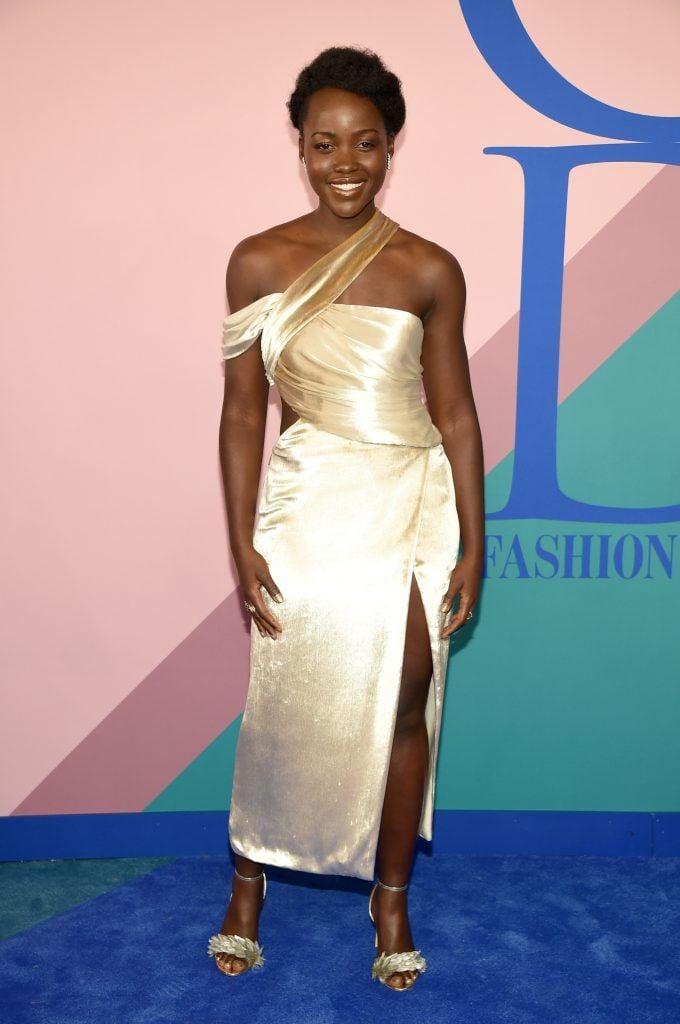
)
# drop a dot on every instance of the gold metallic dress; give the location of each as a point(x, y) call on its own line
point(358, 497)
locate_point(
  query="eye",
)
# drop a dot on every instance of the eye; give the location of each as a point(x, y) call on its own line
point(367, 142)
point(320, 145)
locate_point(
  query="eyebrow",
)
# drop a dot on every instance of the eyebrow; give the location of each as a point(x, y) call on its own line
point(359, 131)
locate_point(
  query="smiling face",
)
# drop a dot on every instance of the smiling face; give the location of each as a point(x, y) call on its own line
point(345, 146)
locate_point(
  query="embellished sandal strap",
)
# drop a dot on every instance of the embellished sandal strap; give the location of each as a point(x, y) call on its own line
point(237, 945)
point(394, 963)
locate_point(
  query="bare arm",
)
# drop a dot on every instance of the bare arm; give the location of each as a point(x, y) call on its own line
point(446, 378)
point(244, 413)
point(241, 442)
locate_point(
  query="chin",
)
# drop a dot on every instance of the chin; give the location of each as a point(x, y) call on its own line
point(345, 209)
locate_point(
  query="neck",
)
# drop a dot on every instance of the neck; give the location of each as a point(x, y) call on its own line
point(338, 228)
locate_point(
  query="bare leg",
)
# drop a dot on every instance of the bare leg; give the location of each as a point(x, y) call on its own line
point(405, 790)
point(243, 912)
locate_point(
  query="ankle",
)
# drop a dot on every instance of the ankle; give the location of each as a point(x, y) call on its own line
point(392, 909)
point(393, 886)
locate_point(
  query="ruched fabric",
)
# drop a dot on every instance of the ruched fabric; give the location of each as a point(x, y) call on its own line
point(358, 499)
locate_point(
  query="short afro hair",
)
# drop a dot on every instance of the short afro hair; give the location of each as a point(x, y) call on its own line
point(356, 70)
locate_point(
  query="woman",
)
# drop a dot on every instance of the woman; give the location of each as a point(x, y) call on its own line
point(366, 495)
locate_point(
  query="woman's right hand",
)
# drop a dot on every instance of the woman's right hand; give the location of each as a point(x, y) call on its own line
point(253, 571)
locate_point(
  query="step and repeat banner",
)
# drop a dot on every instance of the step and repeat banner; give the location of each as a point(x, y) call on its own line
point(142, 142)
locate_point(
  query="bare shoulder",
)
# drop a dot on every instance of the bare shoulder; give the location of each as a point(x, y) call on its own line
point(437, 271)
point(254, 265)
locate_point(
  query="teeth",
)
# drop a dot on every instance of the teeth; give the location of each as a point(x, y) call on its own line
point(347, 187)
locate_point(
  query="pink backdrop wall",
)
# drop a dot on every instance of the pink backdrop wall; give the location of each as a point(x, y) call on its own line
point(141, 142)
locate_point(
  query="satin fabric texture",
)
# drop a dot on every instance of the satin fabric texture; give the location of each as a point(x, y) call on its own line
point(358, 498)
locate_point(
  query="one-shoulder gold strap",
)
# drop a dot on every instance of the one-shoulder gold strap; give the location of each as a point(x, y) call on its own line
point(321, 284)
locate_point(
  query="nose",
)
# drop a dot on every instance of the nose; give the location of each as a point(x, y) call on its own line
point(345, 158)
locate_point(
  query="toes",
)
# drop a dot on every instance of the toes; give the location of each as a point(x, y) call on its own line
point(223, 961)
point(230, 964)
point(402, 979)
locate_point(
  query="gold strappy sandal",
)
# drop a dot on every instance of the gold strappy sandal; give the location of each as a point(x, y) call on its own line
point(387, 964)
point(238, 945)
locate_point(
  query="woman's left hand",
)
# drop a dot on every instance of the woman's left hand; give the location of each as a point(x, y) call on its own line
point(465, 581)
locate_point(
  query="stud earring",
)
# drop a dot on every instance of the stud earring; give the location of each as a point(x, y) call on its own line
point(389, 161)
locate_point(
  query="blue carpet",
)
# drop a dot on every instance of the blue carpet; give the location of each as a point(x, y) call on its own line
point(520, 940)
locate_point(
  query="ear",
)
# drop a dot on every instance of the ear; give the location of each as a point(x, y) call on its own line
point(301, 146)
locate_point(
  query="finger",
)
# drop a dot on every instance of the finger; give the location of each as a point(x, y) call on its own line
point(460, 618)
point(265, 618)
point(254, 618)
point(456, 623)
point(259, 612)
point(450, 596)
point(254, 615)
point(272, 589)
point(264, 628)
point(445, 608)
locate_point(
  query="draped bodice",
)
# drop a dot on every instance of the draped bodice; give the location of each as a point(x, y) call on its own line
point(353, 370)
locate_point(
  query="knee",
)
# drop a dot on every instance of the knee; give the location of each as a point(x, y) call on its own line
point(410, 718)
